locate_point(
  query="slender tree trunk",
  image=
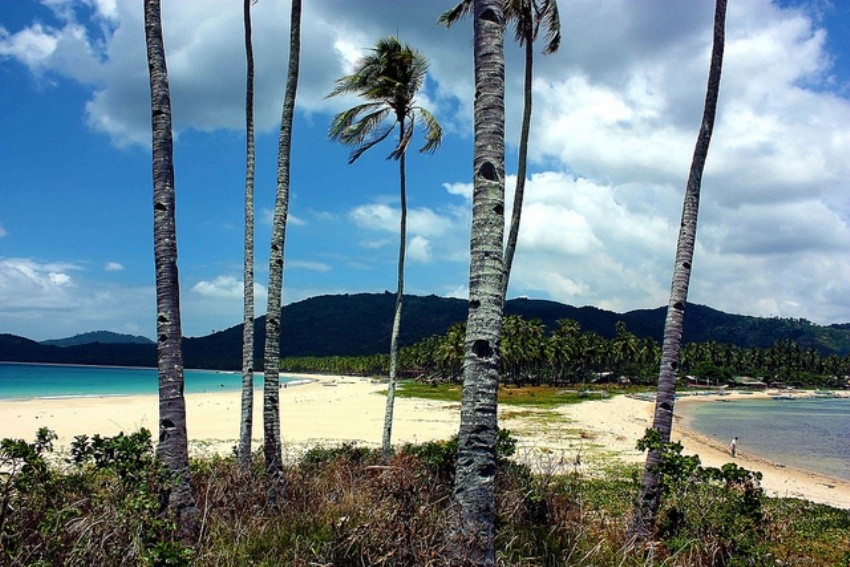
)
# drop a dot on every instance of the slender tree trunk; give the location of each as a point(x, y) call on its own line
point(388, 416)
point(646, 509)
point(172, 448)
point(247, 420)
point(476, 466)
point(272, 447)
point(522, 164)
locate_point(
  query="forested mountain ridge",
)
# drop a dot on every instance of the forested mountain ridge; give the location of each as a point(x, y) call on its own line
point(104, 337)
point(359, 324)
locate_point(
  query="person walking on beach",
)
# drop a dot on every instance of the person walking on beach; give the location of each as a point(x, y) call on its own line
point(733, 447)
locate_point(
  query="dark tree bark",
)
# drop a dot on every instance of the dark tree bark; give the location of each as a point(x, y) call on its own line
point(386, 446)
point(173, 447)
point(646, 509)
point(474, 482)
point(522, 165)
point(246, 423)
point(272, 446)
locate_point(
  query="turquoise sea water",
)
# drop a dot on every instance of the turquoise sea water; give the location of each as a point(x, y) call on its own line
point(20, 381)
point(806, 433)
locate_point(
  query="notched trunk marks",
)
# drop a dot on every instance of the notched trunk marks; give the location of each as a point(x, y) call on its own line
point(488, 171)
point(482, 349)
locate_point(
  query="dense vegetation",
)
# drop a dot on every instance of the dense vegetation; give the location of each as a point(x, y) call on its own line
point(531, 354)
point(346, 506)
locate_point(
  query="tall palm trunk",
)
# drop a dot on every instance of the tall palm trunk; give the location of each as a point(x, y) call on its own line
point(172, 448)
point(476, 464)
point(272, 447)
point(522, 164)
point(246, 422)
point(649, 498)
point(388, 415)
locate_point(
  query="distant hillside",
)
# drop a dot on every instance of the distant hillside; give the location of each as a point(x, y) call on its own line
point(104, 337)
point(360, 324)
point(19, 349)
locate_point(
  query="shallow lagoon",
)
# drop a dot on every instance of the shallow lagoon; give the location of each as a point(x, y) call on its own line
point(805, 433)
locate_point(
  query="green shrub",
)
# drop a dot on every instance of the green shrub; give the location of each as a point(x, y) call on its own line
point(106, 509)
point(706, 511)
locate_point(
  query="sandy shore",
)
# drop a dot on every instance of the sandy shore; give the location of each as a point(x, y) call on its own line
point(335, 409)
point(328, 410)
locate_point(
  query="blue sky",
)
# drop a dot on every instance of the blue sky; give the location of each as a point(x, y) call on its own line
point(616, 115)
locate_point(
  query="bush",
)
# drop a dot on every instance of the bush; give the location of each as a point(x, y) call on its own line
point(707, 512)
point(106, 509)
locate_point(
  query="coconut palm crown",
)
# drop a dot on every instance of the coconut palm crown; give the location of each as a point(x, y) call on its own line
point(389, 79)
point(527, 16)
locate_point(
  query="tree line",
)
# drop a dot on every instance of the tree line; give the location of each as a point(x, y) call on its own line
point(532, 354)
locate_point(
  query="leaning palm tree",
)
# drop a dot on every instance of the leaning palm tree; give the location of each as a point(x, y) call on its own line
point(528, 16)
point(272, 446)
point(173, 447)
point(646, 509)
point(473, 530)
point(389, 79)
point(246, 422)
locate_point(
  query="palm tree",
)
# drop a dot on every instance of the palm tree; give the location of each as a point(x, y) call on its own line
point(528, 16)
point(272, 446)
point(173, 447)
point(389, 79)
point(247, 421)
point(474, 496)
point(649, 498)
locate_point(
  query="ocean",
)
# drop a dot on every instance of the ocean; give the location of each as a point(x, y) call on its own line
point(805, 433)
point(24, 381)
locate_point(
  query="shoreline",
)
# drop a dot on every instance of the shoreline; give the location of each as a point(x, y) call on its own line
point(778, 479)
point(330, 410)
point(619, 422)
point(314, 409)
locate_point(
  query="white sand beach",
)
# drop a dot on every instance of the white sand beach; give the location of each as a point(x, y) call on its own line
point(335, 409)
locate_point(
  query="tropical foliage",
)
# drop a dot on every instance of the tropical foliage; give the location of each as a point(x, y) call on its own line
point(531, 354)
point(347, 506)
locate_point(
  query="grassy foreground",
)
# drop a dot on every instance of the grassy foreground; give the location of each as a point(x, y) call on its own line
point(343, 505)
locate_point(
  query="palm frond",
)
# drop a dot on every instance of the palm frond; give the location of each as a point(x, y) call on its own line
point(521, 13)
point(550, 19)
point(433, 131)
point(357, 132)
point(403, 141)
point(357, 152)
point(349, 84)
point(452, 15)
point(342, 121)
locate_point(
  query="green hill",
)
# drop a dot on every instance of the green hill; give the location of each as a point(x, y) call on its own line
point(103, 337)
point(360, 324)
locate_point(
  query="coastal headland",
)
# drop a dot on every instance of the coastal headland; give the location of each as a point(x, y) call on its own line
point(329, 410)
